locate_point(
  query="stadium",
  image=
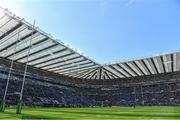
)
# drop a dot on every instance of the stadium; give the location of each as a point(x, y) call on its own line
point(42, 78)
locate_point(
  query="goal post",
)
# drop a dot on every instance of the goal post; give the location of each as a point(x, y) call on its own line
point(20, 102)
point(2, 105)
point(19, 106)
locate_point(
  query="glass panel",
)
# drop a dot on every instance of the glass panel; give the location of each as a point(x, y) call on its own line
point(13, 33)
point(71, 65)
point(113, 71)
point(66, 62)
point(20, 45)
point(77, 67)
point(159, 63)
point(134, 68)
point(95, 66)
point(25, 53)
point(2, 14)
point(36, 49)
point(14, 38)
point(177, 62)
point(59, 60)
point(3, 22)
point(142, 67)
point(127, 69)
point(10, 25)
point(51, 56)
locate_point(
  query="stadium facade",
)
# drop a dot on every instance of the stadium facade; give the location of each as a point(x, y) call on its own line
point(42, 71)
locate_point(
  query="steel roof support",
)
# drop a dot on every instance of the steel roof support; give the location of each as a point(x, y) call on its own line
point(146, 67)
point(107, 75)
point(92, 75)
point(72, 66)
point(23, 38)
point(111, 72)
point(51, 58)
point(26, 48)
point(49, 47)
point(85, 75)
point(125, 70)
point(138, 68)
point(172, 66)
point(61, 61)
point(117, 71)
point(11, 30)
point(76, 68)
point(136, 74)
point(65, 64)
point(162, 61)
point(154, 65)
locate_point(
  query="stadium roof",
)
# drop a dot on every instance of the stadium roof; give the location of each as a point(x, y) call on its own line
point(21, 41)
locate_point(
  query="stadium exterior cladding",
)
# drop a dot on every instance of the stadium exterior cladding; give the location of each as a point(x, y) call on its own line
point(24, 43)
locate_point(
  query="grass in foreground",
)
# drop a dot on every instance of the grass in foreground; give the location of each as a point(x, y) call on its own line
point(114, 113)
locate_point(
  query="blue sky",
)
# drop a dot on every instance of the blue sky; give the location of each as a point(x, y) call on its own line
point(107, 30)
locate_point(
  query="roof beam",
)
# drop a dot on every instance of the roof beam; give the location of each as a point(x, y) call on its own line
point(50, 64)
point(117, 71)
point(100, 72)
point(139, 69)
point(156, 70)
point(134, 68)
point(83, 73)
point(175, 62)
point(74, 69)
point(112, 76)
point(126, 73)
point(136, 74)
point(162, 61)
point(177, 65)
point(78, 74)
point(49, 47)
point(26, 48)
point(44, 56)
point(65, 64)
point(11, 30)
point(111, 72)
point(17, 41)
point(5, 22)
point(147, 66)
point(77, 70)
point(172, 66)
point(107, 75)
point(71, 66)
point(88, 73)
point(126, 69)
point(55, 57)
point(156, 63)
point(93, 74)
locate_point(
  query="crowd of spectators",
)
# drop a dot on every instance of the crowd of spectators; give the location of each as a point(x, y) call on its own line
point(42, 90)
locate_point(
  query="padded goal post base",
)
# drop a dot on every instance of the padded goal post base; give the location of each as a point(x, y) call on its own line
point(19, 107)
point(2, 105)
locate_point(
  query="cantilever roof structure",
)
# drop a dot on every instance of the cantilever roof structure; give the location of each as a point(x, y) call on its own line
point(22, 42)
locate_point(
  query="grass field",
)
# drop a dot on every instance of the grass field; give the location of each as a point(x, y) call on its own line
point(114, 113)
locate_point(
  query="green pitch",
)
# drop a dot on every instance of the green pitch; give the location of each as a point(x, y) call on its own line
point(113, 113)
